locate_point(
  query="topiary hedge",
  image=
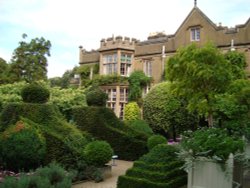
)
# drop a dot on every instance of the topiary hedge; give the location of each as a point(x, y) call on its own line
point(139, 126)
point(22, 147)
point(160, 168)
point(63, 140)
point(132, 112)
point(102, 123)
point(96, 97)
point(35, 93)
point(154, 140)
point(98, 153)
point(166, 113)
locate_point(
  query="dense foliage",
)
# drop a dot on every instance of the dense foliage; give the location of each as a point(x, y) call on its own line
point(22, 147)
point(11, 92)
point(212, 143)
point(103, 124)
point(166, 113)
point(155, 140)
point(234, 107)
point(35, 93)
point(99, 80)
point(137, 80)
point(139, 126)
point(65, 99)
point(200, 74)
point(98, 153)
point(29, 61)
point(159, 168)
point(64, 141)
point(238, 63)
point(132, 112)
point(96, 97)
point(50, 176)
point(3, 70)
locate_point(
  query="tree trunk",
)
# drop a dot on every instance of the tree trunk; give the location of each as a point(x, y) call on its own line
point(210, 120)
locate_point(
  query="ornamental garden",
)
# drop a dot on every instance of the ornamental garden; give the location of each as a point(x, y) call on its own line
point(53, 136)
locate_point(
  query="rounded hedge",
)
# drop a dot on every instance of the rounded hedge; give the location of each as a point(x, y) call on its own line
point(155, 140)
point(96, 97)
point(164, 112)
point(35, 93)
point(22, 147)
point(98, 153)
point(132, 111)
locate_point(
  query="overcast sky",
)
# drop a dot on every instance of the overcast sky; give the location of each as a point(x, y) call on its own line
point(71, 23)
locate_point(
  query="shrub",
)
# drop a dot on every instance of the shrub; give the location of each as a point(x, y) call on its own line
point(140, 126)
point(35, 93)
point(56, 175)
point(64, 141)
point(23, 147)
point(66, 99)
point(212, 142)
point(166, 113)
point(161, 153)
point(155, 140)
point(52, 176)
point(132, 111)
point(96, 97)
point(98, 153)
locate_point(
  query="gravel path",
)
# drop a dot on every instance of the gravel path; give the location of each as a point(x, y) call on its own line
point(119, 169)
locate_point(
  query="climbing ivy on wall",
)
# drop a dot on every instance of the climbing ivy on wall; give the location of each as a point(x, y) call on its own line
point(137, 81)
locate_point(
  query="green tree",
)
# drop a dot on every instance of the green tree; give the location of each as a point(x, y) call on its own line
point(29, 61)
point(165, 113)
point(3, 70)
point(238, 62)
point(200, 74)
point(234, 107)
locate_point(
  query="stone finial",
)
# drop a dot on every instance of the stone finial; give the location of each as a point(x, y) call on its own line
point(195, 3)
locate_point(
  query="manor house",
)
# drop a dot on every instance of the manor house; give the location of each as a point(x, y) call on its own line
point(122, 55)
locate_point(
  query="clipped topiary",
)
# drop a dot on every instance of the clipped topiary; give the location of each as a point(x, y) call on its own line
point(96, 97)
point(22, 147)
point(35, 93)
point(160, 168)
point(155, 140)
point(140, 126)
point(98, 153)
point(132, 111)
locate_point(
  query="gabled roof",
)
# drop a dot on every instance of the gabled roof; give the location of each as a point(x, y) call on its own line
point(243, 25)
point(196, 9)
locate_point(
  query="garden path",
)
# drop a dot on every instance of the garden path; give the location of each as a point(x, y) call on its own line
point(119, 169)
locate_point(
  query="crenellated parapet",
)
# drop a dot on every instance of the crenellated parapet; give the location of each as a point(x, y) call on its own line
point(118, 43)
point(87, 57)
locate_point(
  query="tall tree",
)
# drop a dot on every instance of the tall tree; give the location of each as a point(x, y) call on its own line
point(200, 74)
point(29, 61)
point(3, 70)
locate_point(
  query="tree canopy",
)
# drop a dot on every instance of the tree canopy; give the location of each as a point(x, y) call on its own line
point(166, 113)
point(29, 61)
point(3, 70)
point(200, 74)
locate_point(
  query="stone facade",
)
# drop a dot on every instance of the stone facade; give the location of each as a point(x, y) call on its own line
point(121, 56)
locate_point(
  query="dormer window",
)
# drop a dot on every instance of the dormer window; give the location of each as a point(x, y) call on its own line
point(195, 34)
